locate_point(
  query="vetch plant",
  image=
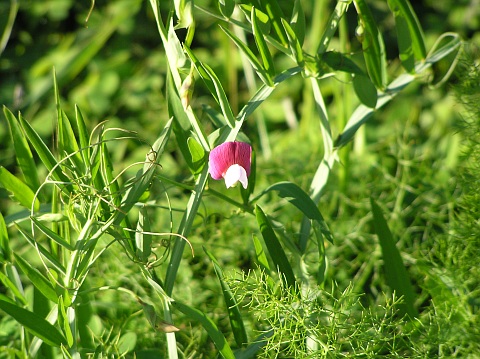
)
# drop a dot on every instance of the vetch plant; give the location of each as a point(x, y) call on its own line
point(73, 225)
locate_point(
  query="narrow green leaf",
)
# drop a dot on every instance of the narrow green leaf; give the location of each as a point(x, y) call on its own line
point(277, 254)
point(372, 44)
point(181, 124)
point(35, 324)
point(234, 314)
point(215, 87)
point(264, 21)
point(5, 251)
point(108, 177)
point(261, 255)
point(64, 321)
point(23, 154)
point(395, 271)
point(45, 155)
point(297, 22)
point(365, 90)
point(300, 199)
point(43, 251)
point(262, 47)
point(19, 190)
point(67, 142)
point(213, 332)
point(294, 43)
point(226, 7)
point(52, 235)
point(275, 14)
point(83, 135)
point(404, 15)
point(197, 154)
point(257, 66)
point(404, 39)
point(143, 240)
point(37, 279)
point(7, 282)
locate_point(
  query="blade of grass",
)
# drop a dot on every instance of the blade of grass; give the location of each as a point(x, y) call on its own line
point(213, 332)
point(236, 321)
point(395, 272)
point(277, 254)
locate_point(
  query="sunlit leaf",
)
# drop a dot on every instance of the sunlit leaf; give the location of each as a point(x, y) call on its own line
point(19, 190)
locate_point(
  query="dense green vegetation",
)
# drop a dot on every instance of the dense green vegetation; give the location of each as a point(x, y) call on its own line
point(357, 236)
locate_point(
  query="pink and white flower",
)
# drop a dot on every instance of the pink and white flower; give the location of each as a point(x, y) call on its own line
point(231, 161)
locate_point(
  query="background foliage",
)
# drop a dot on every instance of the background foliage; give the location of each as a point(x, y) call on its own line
point(417, 157)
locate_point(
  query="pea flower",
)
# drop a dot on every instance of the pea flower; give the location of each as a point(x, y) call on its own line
point(231, 161)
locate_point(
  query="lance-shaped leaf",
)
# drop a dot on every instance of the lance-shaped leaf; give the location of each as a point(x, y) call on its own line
point(395, 271)
point(45, 155)
point(213, 332)
point(214, 85)
point(257, 66)
point(407, 22)
point(23, 154)
point(19, 190)
point(263, 48)
point(37, 279)
point(5, 251)
point(234, 314)
point(297, 21)
point(34, 323)
point(294, 43)
point(275, 249)
point(372, 44)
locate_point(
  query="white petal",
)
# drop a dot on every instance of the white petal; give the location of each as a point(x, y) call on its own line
point(234, 174)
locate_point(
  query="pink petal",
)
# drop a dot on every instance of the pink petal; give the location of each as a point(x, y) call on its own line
point(228, 154)
point(243, 155)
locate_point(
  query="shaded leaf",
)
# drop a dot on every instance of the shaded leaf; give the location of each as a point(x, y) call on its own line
point(365, 90)
point(35, 324)
point(395, 272)
point(37, 279)
point(234, 314)
point(213, 332)
point(277, 254)
point(372, 44)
